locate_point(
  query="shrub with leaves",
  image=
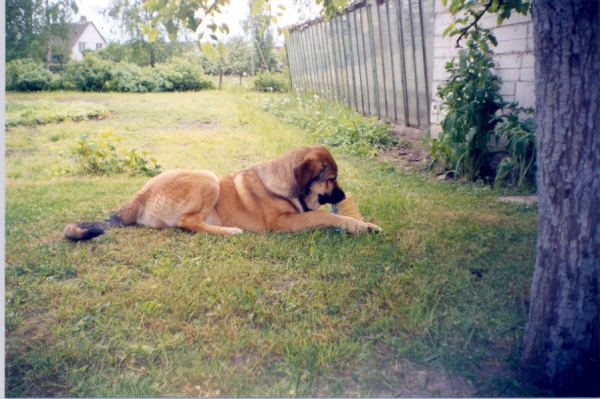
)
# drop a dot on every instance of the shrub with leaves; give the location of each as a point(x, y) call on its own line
point(272, 82)
point(102, 157)
point(471, 99)
point(518, 168)
point(181, 75)
point(90, 74)
point(130, 78)
point(27, 75)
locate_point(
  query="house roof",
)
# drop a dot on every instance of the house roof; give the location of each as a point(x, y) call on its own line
point(76, 30)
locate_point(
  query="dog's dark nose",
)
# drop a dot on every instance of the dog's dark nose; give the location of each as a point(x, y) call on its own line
point(337, 195)
point(333, 198)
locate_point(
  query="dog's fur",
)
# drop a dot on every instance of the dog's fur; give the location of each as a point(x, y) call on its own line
point(279, 195)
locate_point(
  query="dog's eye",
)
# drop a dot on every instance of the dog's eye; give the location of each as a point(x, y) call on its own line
point(332, 180)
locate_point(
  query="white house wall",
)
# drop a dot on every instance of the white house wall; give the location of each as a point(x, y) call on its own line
point(91, 37)
point(514, 56)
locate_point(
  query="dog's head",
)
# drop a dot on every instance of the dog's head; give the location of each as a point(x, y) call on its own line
point(316, 177)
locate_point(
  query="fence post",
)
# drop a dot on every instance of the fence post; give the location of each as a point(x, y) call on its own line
point(352, 60)
point(383, 80)
point(289, 61)
point(387, 13)
point(327, 58)
point(307, 67)
point(362, 97)
point(403, 64)
point(362, 28)
point(373, 58)
point(343, 42)
point(412, 31)
point(425, 75)
point(335, 67)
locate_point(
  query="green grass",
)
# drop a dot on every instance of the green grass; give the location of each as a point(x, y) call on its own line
point(142, 312)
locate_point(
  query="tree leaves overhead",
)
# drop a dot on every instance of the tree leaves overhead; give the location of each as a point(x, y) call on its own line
point(208, 49)
point(198, 16)
point(195, 15)
point(473, 10)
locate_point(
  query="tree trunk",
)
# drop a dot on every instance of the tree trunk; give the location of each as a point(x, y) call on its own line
point(220, 79)
point(49, 37)
point(561, 344)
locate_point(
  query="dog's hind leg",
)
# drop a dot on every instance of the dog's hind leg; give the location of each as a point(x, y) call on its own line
point(195, 222)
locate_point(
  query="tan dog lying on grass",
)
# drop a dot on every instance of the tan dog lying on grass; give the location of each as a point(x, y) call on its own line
point(279, 195)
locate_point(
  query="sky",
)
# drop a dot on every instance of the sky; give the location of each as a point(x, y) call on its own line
point(232, 16)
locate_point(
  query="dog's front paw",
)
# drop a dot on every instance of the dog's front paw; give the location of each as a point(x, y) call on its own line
point(373, 228)
point(232, 231)
point(354, 226)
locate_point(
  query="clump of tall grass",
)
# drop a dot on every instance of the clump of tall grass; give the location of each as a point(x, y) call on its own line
point(42, 112)
point(332, 123)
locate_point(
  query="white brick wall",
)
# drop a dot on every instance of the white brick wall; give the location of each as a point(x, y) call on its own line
point(514, 55)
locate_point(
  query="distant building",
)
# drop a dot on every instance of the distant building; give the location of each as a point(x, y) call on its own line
point(84, 36)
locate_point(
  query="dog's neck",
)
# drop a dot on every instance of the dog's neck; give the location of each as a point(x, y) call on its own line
point(279, 179)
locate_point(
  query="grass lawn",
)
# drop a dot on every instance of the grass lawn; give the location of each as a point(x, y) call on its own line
point(434, 305)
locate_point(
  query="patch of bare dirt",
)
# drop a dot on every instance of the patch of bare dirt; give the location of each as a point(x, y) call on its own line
point(412, 154)
point(11, 153)
point(422, 383)
point(199, 124)
point(528, 200)
point(33, 331)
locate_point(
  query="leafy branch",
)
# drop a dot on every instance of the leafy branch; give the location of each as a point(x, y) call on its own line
point(198, 16)
point(475, 10)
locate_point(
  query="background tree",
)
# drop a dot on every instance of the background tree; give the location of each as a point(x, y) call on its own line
point(258, 28)
point(238, 53)
point(37, 29)
point(236, 60)
point(561, 349)
point(132, 17)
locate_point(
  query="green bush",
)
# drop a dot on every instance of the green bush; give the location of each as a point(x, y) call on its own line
point(471, 99)
point(473, 103)
point(89, 74)
point(273, 82)
point(27, 75)
point(130, 78)
point(518, 168)
point(96, 74)
point(180, 75)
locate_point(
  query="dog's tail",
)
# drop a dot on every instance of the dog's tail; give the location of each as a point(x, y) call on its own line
point(125, 216)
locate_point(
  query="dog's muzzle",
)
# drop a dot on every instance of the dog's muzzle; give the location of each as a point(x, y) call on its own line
point(333, 198)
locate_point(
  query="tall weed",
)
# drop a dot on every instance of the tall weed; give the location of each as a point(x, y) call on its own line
point(471, 99)
point(101, 156)
point(518, 168)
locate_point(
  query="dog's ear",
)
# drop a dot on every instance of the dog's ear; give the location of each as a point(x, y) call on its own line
point(307, 170)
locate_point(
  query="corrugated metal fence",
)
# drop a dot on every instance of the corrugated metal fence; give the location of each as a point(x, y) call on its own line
point(376, 56)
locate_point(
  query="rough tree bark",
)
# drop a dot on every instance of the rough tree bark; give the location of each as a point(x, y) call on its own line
point(561, 344)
